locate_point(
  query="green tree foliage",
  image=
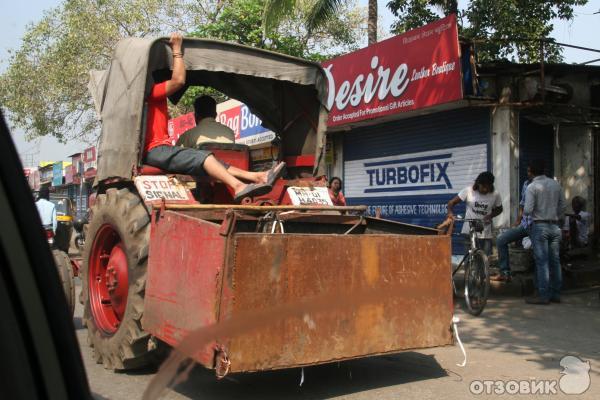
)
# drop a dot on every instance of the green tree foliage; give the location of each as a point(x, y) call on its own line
point(318, 12)
point(314, 13)
point(44, 88)
point(240, 21)
point(508, 29)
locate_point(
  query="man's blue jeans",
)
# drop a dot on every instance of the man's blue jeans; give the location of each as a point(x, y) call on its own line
point(546, 245)
point(502, 241)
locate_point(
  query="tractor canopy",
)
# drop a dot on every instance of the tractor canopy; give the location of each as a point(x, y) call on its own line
point(288, 94)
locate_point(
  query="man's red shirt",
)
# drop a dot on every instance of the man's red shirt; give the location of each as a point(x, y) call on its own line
point(157, 133)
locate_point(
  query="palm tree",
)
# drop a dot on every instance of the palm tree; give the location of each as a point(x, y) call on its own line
point(320, 12)
point(372, 22)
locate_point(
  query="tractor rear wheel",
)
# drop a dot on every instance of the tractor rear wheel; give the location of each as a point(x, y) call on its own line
point(67, 279)
point(114, 279)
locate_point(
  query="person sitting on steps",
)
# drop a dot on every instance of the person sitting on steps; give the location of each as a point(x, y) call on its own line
point(160, 153)
point(516, 233)
point(576, 229)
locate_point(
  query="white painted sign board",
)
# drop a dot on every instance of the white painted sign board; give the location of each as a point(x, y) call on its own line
point(305, 196)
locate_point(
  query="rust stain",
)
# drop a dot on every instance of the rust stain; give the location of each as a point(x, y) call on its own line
point(370, 260)
point(309, 322)
point(368, 316)
point(275, 272)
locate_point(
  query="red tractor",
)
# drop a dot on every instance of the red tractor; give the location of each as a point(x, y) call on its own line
point(166, 255)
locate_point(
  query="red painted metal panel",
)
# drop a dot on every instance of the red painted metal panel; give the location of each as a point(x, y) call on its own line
point(240, 159)
point(300, 161)
point(183, 282)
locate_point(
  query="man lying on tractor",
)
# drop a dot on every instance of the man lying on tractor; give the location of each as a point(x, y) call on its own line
point(160, 153)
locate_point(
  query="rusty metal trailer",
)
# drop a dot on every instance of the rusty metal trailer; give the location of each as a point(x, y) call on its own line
point(157, 268)
point(247, 270)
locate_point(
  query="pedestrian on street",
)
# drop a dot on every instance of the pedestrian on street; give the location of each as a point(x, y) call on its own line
point(483, 203)
point(46, 209)
point(545, 204)
point(519, 231)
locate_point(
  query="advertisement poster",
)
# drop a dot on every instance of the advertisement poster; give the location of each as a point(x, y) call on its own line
point(415, 70)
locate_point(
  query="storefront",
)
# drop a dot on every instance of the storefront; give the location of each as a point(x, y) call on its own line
point(558, 125)
point(59, 188)
point(33, 178)
point(90, 163)
point(409, 169)
point(405, 140)
point(46, 174)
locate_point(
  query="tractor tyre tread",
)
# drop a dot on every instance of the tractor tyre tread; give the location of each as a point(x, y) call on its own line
point(67, 277)
point(127, 348)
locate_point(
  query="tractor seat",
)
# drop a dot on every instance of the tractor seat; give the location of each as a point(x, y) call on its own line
point(150, 170)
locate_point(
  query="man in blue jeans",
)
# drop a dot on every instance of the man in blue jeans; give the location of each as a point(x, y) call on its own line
point(545, 204)
point(519, 231)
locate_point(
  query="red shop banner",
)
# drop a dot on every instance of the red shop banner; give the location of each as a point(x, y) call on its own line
point(418, 69)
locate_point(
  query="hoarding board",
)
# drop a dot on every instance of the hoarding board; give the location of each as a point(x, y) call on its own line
point(235, 115)
point(442, 171)
point(89, 162)
point(69, 174)
point(57, 174)
point(414, 187)
point(415, 70)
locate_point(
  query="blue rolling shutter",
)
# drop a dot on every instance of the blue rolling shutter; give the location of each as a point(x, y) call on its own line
point(411, 168)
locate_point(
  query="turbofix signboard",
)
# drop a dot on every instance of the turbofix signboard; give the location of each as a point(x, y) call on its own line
point(436, 173)
point(418, 69)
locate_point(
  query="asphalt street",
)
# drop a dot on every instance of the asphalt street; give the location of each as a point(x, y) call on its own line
point(510, 342)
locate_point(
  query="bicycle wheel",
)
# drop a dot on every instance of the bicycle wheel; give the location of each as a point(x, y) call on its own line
point(477, 282)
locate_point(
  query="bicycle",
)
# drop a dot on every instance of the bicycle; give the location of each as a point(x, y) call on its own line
point(476, 270)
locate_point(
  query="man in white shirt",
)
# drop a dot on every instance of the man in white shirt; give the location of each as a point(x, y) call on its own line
point(46, 209)
point(483, 203)
point(207, 129)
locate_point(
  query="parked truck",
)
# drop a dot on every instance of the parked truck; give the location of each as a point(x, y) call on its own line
point(168, 254)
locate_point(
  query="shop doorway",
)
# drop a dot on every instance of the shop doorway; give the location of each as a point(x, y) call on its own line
point(536, 141)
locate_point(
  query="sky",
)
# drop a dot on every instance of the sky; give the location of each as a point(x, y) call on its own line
point(16, 15)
